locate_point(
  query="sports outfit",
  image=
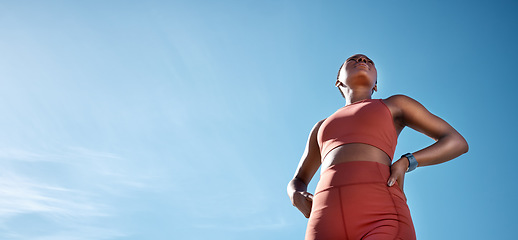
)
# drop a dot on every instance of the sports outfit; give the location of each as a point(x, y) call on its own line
point(352, 200)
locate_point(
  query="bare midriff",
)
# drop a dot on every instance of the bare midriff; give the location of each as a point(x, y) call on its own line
point(355, 152)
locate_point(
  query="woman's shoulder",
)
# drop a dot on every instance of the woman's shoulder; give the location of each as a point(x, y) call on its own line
point(317, 125)
point(400, 103)
point(400, 100)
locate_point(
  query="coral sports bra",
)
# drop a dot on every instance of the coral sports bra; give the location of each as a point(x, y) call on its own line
point(368, 121)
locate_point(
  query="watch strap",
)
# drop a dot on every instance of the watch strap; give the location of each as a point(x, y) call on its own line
point(412, 162)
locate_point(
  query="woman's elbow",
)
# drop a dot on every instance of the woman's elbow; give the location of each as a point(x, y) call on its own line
point(457, 144)
point(462, 144)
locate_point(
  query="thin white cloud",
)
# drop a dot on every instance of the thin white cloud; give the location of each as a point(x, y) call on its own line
point(19, 154)
point(20, 195)
point(73, 191)
point(89, 153)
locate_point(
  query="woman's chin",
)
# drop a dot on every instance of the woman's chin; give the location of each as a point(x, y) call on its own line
point(360, 78)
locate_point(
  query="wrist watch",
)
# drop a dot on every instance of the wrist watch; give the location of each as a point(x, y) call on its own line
point(412, 162)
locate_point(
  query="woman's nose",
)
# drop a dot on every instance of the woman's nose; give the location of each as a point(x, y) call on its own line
point(362, 59)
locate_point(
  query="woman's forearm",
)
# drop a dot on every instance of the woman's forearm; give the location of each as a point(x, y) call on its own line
point(445, 149)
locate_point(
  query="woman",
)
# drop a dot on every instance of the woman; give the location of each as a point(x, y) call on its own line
point(360, 193)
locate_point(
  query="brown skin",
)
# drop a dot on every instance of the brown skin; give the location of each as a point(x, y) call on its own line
point(357, 81)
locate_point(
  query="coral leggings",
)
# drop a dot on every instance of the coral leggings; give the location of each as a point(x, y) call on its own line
point(352, 201)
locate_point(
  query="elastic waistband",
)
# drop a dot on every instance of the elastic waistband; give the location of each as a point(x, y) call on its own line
point(355, 172)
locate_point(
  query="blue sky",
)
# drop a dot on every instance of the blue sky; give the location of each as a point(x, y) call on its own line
point(186, 119)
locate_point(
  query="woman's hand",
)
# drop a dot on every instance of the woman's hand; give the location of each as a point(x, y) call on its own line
point(397, 172)
point(302, 201)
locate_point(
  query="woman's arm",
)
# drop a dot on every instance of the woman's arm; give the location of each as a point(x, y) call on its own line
point(308, 166)
point(448, 145)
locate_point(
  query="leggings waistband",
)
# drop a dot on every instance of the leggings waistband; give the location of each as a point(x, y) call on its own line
point(355, 172)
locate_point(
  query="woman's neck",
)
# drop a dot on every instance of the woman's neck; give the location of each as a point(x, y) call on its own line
point(356, 96)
